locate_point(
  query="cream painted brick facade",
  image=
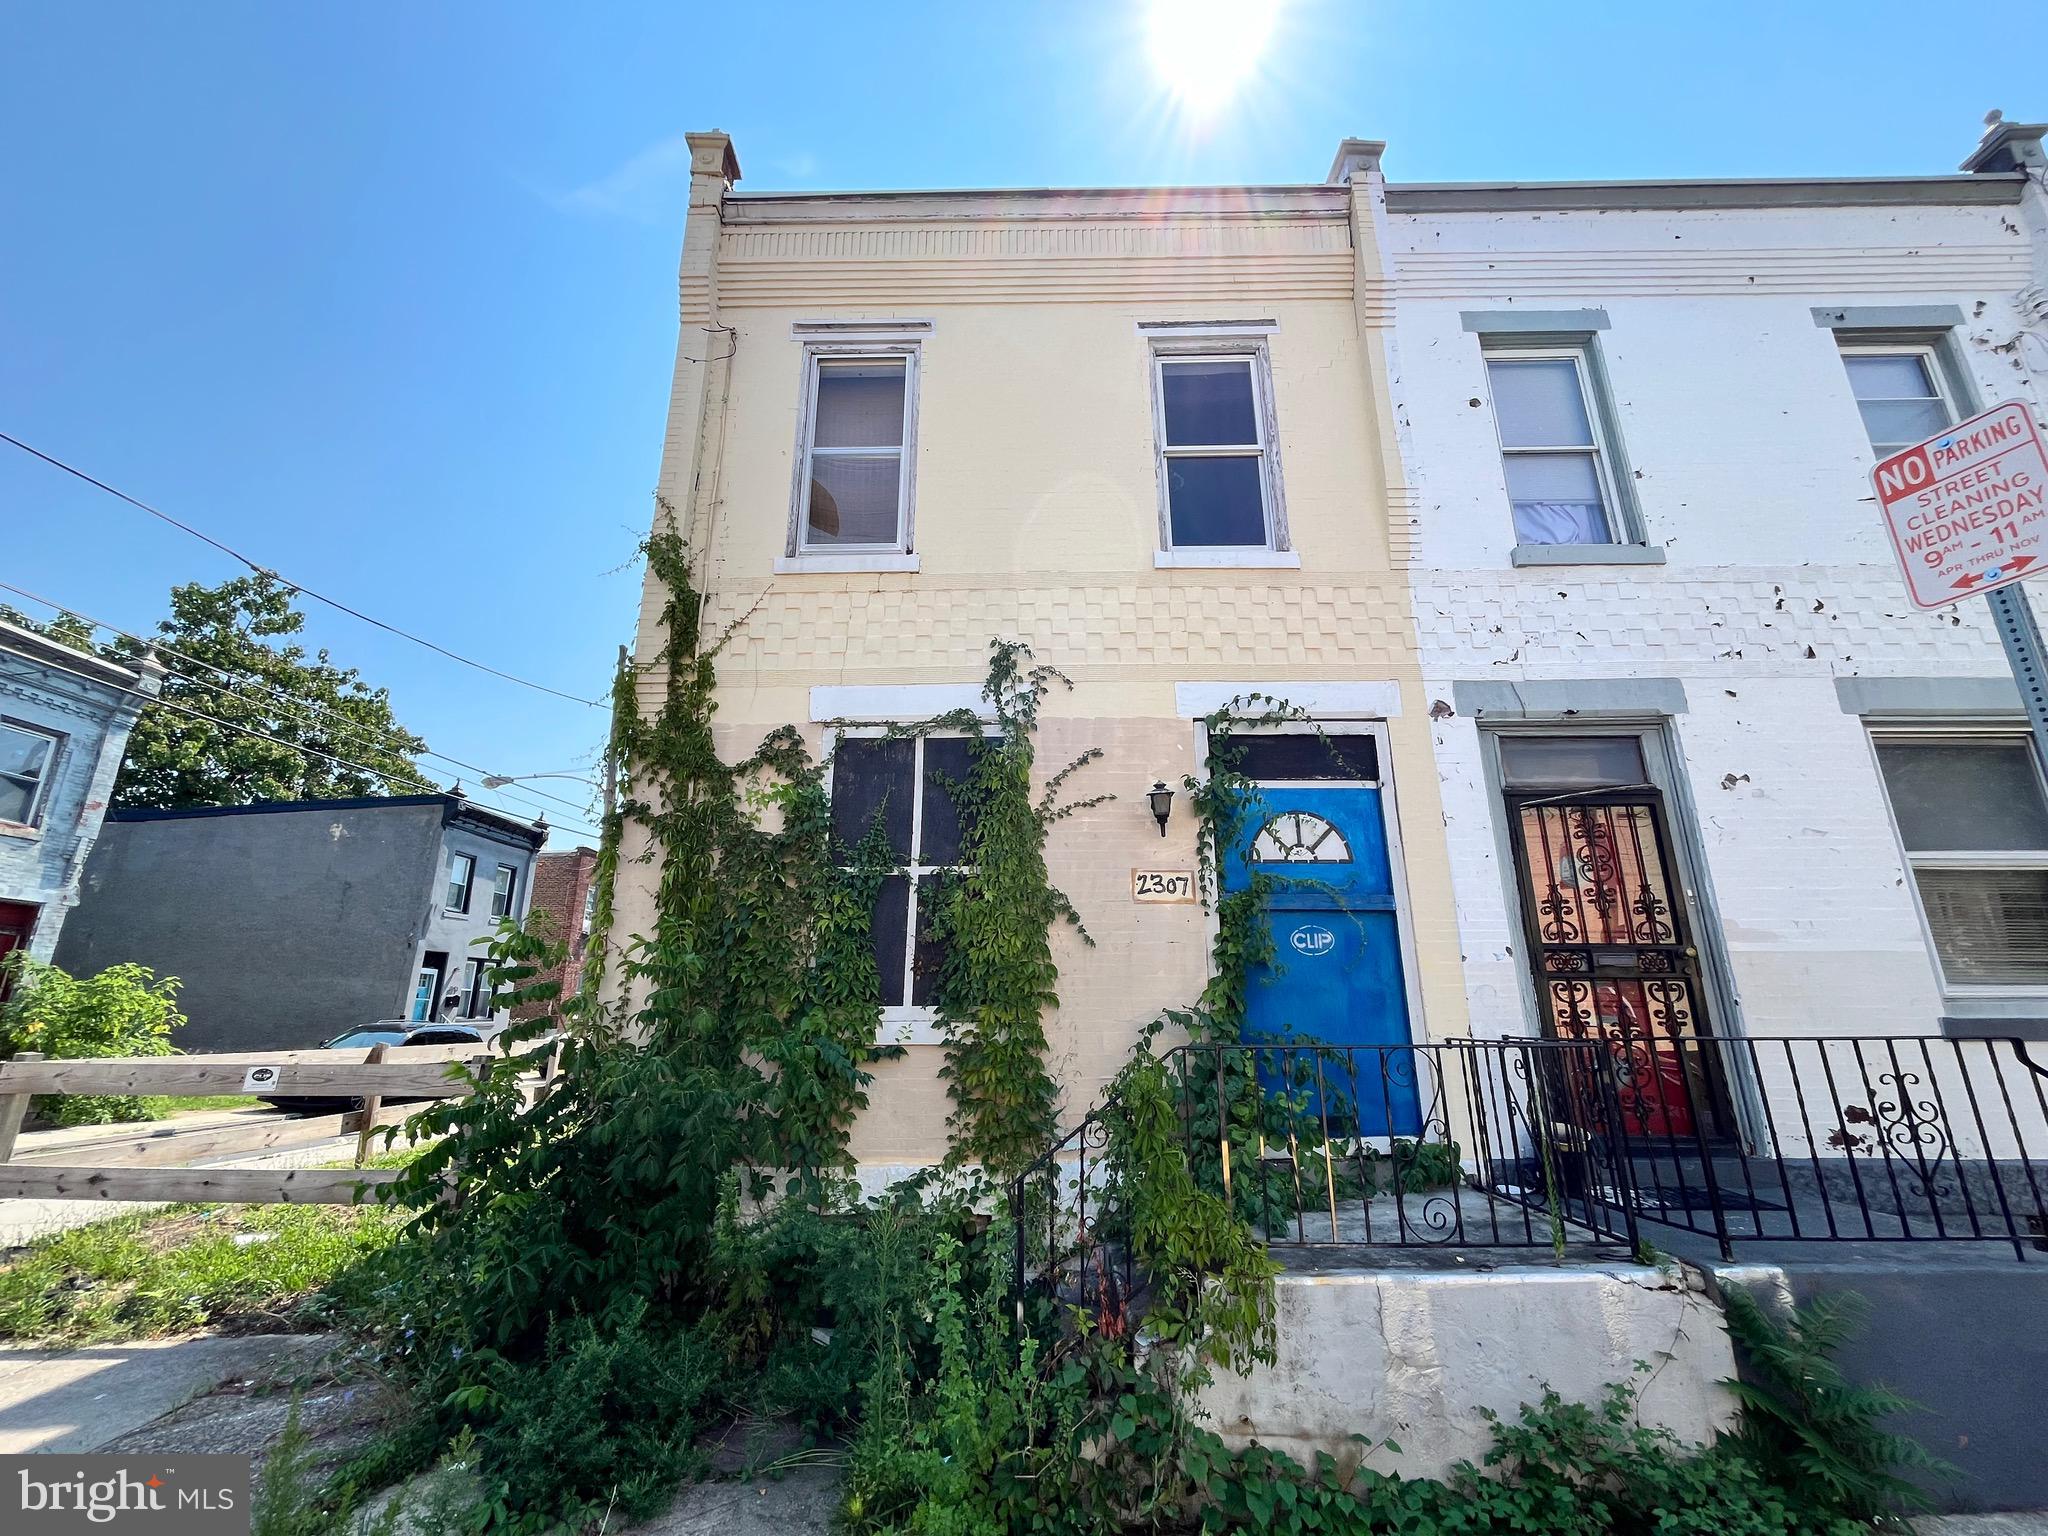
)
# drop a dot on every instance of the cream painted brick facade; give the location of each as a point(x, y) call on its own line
point(1037, 510)
point(1036, 517)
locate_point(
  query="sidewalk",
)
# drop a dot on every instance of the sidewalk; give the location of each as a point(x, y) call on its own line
point(81, 1397)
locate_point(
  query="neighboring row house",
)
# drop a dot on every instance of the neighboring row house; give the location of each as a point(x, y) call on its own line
point(65, 715)
point(292, 921)
point(1547, 504)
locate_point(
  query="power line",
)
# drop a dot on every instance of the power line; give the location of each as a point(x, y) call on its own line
point(263, 570)
point(355, 727)
point(229, 725)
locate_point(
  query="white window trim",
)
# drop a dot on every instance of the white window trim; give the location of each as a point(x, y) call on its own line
point(904, 1023)
point(511, 892)
point(836, 703)
point(39, 801)
point(1930, 359)
point(1959, 994)
point(475, 979)
point(1245, 344)
point(901, 555)
point(1325, 701)
point(1496, 350)
point(468, 886)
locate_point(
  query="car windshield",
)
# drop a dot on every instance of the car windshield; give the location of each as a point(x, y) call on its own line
point(366, 1037)
point(443, 1037)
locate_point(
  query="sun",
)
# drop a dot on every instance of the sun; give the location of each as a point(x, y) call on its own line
point(1204, 50)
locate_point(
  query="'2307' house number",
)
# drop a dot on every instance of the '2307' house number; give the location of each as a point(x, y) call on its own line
point(1162, 885)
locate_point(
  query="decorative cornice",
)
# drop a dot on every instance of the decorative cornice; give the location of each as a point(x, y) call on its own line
point(1625, 196)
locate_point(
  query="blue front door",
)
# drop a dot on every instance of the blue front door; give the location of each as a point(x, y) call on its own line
point(1335, 977)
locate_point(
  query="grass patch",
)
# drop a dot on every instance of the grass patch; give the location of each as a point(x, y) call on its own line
point(190, 1266)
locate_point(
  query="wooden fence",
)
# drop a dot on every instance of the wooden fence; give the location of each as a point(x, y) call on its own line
point(152, 1161)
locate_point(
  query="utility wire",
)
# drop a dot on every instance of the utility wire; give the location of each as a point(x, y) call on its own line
point(246, 730)
point(354, 727)
point(263, 570)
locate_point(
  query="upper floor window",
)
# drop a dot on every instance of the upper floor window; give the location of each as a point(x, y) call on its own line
point(26, 757)
point(1554, 447)
point(1973, 817)
point(857, 452)
point(461, 880)
point(1219, 473)
point(503, 888)
point(1900, 392)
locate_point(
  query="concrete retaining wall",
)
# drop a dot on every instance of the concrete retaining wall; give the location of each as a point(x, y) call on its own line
point(1415, 1355)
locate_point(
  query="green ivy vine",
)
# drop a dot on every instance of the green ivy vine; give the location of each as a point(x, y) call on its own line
point(993, 920)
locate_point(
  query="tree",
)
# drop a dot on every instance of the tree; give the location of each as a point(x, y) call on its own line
point(177, 759)
point(66, 629)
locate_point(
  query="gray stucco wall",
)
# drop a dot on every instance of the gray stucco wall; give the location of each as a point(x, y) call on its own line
point(286, 926)
point(457, 934)
point(41, 688)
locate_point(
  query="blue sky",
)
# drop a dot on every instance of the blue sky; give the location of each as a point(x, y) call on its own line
point(385, 294)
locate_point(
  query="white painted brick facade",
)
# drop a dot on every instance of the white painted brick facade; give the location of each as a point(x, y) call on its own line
point(1749, 463)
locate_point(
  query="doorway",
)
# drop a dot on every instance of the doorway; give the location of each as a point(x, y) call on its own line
point(17, 924)
point(1321, 835)
point(1613, 955)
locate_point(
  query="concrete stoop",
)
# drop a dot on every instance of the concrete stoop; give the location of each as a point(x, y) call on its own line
point(1415, 1355)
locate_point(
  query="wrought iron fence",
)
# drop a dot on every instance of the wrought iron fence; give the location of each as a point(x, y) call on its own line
point(1868, 1139)
point(1570, 1144)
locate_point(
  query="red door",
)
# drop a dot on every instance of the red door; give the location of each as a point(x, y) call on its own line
point(17, 922)
point(1613, 960)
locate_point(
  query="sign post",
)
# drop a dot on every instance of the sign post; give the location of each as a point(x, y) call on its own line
point(1967, 511)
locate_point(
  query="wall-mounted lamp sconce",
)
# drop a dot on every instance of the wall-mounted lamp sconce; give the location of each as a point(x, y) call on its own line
point(1162, 804)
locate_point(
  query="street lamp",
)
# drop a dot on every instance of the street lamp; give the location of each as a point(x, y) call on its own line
point(500, 780)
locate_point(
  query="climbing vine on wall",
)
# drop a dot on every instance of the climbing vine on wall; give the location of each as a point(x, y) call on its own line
point(993, 918)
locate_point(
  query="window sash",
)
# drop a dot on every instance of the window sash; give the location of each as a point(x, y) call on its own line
point(36, 783)
point(473, 988)
point(1930, 365)
point(1983, 861)
point(460, 887)
point(819, 359)
point(914, 869)
point(1253, 360)
point(503, 885)
point(1597, 428)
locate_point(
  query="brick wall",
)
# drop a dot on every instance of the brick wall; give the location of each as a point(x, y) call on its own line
point(561, 885)
point(1749, 462)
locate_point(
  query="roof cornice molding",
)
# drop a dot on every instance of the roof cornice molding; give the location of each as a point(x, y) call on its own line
point(1049, 205)
point(28, 644)
point(1632, 196)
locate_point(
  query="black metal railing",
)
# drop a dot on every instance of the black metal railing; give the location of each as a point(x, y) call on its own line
point(1867, 1139)
point(1570, 1144)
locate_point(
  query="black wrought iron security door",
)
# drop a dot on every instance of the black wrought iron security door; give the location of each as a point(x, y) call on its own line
point(1612, 951)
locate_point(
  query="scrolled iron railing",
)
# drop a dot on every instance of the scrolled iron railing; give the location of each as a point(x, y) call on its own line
point(1586, 1145)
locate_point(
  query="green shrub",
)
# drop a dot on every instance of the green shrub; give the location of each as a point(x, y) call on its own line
point(123, 1011)
point(604, 1419)
point(1805, 1424)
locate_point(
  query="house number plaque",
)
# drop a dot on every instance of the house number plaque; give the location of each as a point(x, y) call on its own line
point(1171, 885)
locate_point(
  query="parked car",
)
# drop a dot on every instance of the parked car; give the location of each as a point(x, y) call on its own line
point(384, 1032)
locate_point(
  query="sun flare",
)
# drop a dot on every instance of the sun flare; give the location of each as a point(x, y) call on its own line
point(1204, 50)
